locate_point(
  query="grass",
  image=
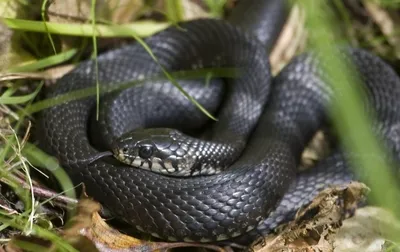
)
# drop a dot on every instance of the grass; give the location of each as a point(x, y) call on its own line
point(140, 28)
point(45, 62)
point(20, 155)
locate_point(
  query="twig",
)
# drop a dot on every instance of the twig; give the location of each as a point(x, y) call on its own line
point(59, 200)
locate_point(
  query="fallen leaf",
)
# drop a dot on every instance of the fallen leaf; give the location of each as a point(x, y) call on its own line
point(11, 52)
point(87, 229)
point(386, 24)
point(124, 11)
point(292, 39)
point(48, 74)
point(315, 226)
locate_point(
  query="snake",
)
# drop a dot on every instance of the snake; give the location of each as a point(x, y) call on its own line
point(266, 121)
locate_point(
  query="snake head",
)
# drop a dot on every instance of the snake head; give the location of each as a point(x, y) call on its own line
point(155, 149)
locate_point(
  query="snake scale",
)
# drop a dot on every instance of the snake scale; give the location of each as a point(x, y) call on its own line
point(275, 116)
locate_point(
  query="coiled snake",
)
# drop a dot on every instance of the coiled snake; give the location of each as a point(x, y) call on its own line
point(275, 119)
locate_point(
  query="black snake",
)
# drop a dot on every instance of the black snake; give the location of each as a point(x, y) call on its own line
point(275, 117)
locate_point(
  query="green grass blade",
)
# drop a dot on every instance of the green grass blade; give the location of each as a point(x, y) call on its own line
point(139, 28)
point(94, 56)
point(216, 7)
point(9, 92)
point(43, 12)
point(28, 246)
point(40, 232)
point(45, 62)
point(173, 81)
point(174, 10)
point(39, 158)
point(7, 100)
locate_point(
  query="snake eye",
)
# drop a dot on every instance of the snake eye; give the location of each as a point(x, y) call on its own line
point(145, 151)
point(125, 150)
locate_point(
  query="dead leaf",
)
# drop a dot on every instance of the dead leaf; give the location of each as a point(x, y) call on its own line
point(386, 24)
point(48, 74)
point(192, 10)
point(114, 11)
point(315, 226)
point(69, 11)
point(123, 11)
point(317, 149)
point(292, 39)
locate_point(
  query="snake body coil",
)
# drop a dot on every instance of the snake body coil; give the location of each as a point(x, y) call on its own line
point(239, 199)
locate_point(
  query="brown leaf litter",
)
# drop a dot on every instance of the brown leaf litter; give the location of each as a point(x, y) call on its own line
point(315, 226)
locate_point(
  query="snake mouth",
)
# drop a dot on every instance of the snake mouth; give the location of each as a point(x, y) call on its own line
point(132, 160)
point(119, 154)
